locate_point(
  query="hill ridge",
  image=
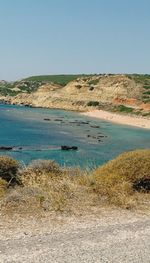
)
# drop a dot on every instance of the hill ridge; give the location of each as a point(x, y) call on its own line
point(115, 92)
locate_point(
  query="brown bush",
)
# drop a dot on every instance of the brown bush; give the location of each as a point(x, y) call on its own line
point(48, 166)
point(8, 169)
point(116, 180)
point(3, 187)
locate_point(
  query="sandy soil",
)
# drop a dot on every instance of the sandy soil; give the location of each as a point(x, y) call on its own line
point(115, 236)
point(120, 119)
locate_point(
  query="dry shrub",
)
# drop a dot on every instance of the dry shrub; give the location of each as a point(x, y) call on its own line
point(115, 180)
point(8, 169)
point(113, 189)
point(62, 191)
point(3, 187)
point(83, 198)
point(132, 166)
point(78, 176)
point(48, 166)
point(54, 187)
point(21, 200)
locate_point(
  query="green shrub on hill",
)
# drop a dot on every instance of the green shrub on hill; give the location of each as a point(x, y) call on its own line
point(146, 87)
point(146, 92)
point(58, 79)
point(6, 89)
point(93, 82)
point(93, 103)
point(140, 78)
point(123, 108)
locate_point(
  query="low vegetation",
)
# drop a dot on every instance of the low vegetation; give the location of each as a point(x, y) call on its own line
point(93, 103)
point(57, 79)
point(122, 108)
point(7, 89)
point(93, 81)
point(143, 79)
point(13, 89)
point(44, 185)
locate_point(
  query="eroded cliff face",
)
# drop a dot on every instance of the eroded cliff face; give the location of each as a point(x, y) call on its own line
point(87, 92)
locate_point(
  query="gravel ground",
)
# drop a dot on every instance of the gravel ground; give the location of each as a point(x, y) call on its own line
point(108, 236)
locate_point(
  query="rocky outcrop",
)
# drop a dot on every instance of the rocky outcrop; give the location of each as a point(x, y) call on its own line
point(68, 148)
point(6, 148)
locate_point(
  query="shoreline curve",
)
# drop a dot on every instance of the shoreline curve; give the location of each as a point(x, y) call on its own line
point(139, 122)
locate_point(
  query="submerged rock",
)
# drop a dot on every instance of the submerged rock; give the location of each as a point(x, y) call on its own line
point(68, 148)
point(47, 119)
point(95, 126)
point(6, 148)
point(57, 119)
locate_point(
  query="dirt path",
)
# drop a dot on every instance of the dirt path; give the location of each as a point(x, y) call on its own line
point(110, 236)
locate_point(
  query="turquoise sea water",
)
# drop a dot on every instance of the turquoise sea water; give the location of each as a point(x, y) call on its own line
point(40, 139)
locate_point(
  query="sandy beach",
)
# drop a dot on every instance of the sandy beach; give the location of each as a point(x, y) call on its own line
point(120, 119)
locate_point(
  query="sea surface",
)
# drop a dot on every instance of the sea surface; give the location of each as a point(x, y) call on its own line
point(39, 133)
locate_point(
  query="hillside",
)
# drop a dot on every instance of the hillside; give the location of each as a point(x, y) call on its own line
point(121, 93)
point(57, 79)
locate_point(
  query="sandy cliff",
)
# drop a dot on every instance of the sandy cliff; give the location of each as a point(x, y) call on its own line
point(108, 91)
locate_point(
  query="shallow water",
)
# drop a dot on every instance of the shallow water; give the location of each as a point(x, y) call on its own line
point(41, 139)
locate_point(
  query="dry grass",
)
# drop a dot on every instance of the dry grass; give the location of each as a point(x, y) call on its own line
point(3, 187)
point(46, 186)
point(66, 191)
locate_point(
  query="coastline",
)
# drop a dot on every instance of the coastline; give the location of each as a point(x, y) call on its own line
point(135, 121)
point(119, 119)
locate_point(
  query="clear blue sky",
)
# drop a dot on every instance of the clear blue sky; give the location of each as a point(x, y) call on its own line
point(73, 36)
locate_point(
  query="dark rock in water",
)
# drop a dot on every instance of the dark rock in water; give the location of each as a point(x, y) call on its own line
point(84, 122)
point(75, 148)
point(72, 122)
point(6, 148)
point(95, 126)
point(20, 148)
point(57, 119)
point(68, 148)
point(79, 122)
point(47, 119)
point(27, 105)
